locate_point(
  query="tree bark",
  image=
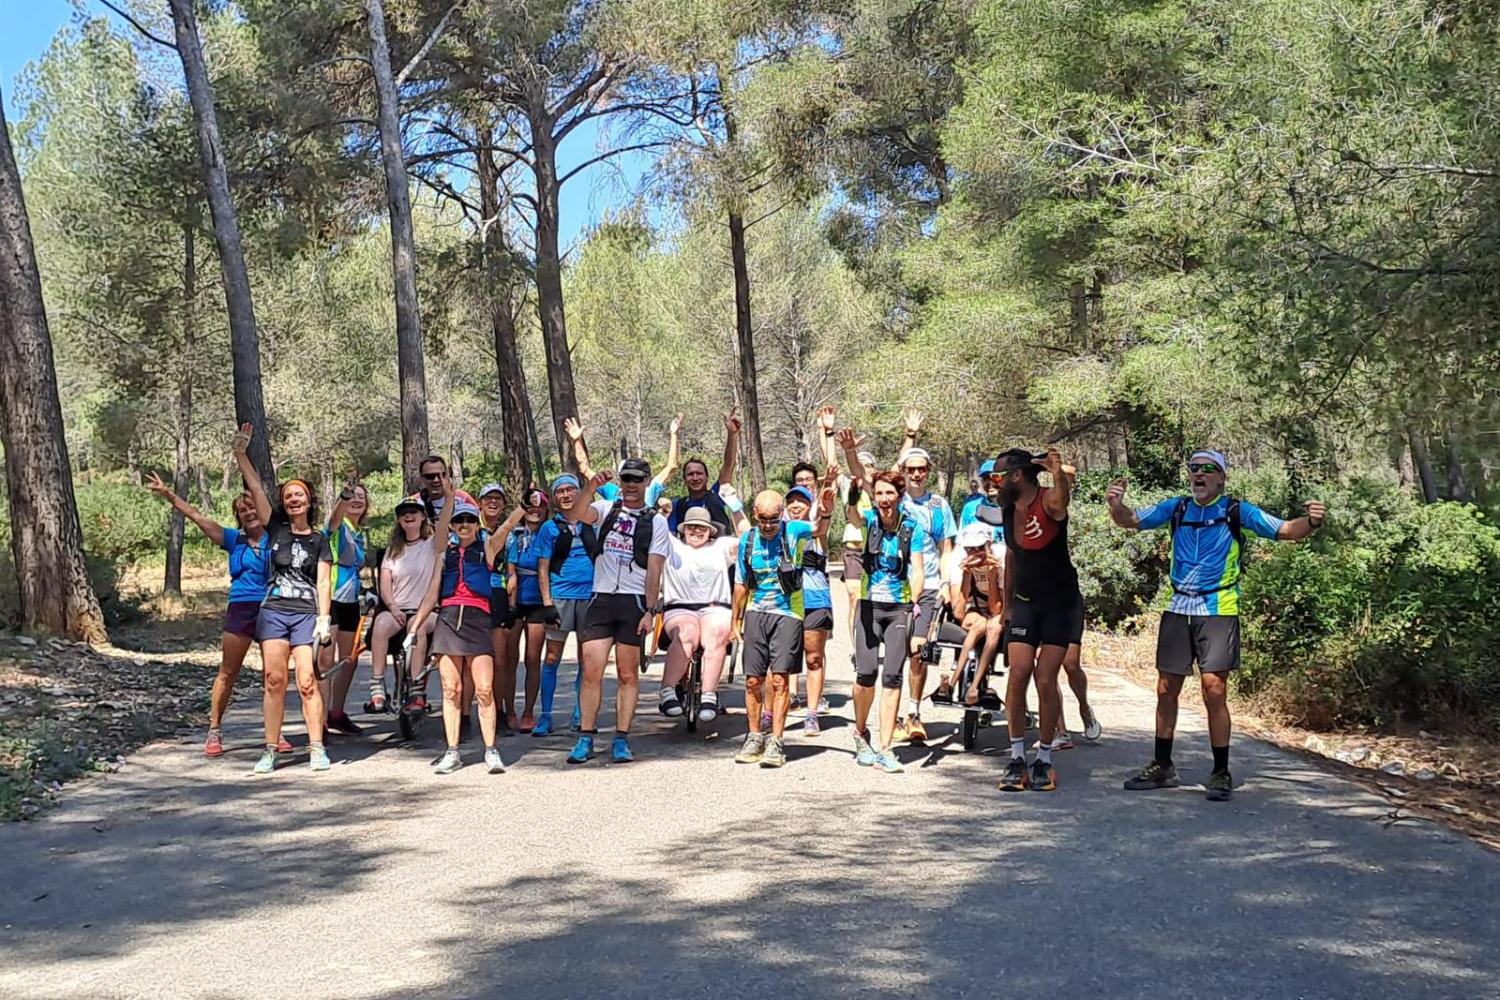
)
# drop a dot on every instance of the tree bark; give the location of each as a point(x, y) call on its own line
point(410, 366)
point(182, 454)
point(514, 404)
point(549, 290)
point(244, 338)
point(1458, 483)
point(749, 394)
point(1423, 461)
point(46, 539)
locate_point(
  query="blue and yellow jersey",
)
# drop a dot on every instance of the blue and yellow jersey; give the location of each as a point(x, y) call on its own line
point(1206, 560)
point(886, 582)
point(764, 556)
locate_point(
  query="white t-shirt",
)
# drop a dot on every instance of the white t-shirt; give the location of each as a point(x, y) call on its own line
point(615, 571)
point(700, 576)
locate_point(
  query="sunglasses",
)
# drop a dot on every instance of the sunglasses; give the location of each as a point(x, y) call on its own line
point(632, 479)
point(913, 470)
point(432, 477)
point(1204, 467)
point(465, 519)
point(768, 518)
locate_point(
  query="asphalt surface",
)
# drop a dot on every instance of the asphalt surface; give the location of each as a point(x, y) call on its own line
point(686, 875)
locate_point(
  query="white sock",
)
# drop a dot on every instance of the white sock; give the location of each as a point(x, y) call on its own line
point(1018, 748)
point(1044, 753)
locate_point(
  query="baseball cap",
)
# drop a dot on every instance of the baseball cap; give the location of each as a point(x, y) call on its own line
point(635, 467)
point(798, 493)
point(1209, 455)
point(566, 479)
point(918, 454)
point(411, 503)
point(461, 507)
point(489, 488)
point(986, 467)
point(974, 535)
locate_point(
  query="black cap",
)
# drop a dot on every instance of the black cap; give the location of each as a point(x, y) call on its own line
point(1014, 458)
point(636, 466)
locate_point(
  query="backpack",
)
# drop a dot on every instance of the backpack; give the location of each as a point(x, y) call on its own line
point(788, 570)
point(875, 537)
point(1231, 518)
point(562, 545)
point(641, 539)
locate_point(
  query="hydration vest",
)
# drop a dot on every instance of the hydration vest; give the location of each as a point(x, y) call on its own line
point(645, 526)
point(562, 545)
point(788, 569)
point(875, 536)
point(472, 563)
point(1231, 519)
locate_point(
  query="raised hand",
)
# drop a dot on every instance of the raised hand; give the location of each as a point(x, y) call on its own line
point(826, 417)
point(848, 440)
point(1115, 495)
point(831, 474)
point(1052, 462)
point(675, 425)
point(448, 488)
point(914, 421)
point(1316, 512)
point(599, 478)
point(239, 443)
point(572, 428)
point(155, 485)
point(732, 421)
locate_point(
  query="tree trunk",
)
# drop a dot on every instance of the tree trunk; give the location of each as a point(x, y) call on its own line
point(244, 339)
point(46, 539)
point(410, 368)
point(514, 404)
point(749, 394)
point(1423, 461)
point(181, 457)
point(1458, 484)
point(549, 291)
point(205, 490)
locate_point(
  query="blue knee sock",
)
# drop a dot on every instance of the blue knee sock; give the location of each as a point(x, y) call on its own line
point(549, 685)
point(578, 694)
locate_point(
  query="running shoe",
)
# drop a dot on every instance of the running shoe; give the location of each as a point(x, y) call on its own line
point(1014, 779)
point(810, 725)
point(915, 731)
point(753, 750)
point(823, 705)
point(1043, 776)
point(669, 704)
point(708, 708)
point(1153, 775)
point(543, 726)
point(1220, 787)
point(864, 754)
point(449, 762)
point(887, 762)
point(283, 745)
point(774, 755)
point(492, 762)
point(340, 722)
point(1061, 741)
point(214, 745)
point(267, 762)
point(378, 703)
point(582, 750)
point(619, 750)
point(1091, 728)
point(902, 733)
point(317, 758)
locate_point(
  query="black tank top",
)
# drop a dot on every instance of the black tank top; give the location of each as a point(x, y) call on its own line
point(1039, 546)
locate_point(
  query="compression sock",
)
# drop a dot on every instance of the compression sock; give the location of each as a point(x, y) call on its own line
point(1044, 753)
point(1221, 759)
point(1018, 748)
point(1163, 755)
point(549, 685)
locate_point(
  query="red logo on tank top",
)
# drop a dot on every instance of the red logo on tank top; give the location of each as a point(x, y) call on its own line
point(1039, 529)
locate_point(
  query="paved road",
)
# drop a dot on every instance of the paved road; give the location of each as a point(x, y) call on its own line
point(685, 875)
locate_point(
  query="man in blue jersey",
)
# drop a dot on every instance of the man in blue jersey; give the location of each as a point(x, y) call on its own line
point(932, 513)
point(1202, 625)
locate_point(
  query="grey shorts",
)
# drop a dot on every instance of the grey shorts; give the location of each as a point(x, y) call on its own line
point(1212, 641)
point(570, 614)
point(773, 644)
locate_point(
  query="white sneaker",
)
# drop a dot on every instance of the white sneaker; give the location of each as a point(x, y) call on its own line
point(492, 761)
point(1091, 728)
point(449, 762)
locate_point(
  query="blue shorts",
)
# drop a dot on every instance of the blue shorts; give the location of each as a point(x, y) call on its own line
point(295, 627)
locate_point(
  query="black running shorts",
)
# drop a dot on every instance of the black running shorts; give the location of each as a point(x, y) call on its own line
point(773, 644)
point(1211, 641)
point(614, 616)
point(1046, 623)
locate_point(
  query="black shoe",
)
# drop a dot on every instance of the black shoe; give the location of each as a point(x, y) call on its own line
point(1153, 775)
point(1043, 777)
point(1014, 779)
point(343, 724)
point(1220, 787)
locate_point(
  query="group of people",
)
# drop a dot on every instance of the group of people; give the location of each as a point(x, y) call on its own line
point(611, 559)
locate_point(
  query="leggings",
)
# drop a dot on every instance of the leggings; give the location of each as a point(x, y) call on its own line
point(881, 623)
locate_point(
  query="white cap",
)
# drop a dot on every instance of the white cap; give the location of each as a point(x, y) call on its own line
point(973, 535)
point(911, 453)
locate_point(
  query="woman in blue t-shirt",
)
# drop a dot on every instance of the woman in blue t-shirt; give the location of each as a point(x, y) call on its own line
point(521, 556)
point(246, 545)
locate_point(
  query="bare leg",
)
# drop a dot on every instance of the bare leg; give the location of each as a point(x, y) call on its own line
point(338, 694)
point(781, 702)
point(275, 655)
point(754, 693)
point(536, 638)
point(1216, 703)
point(1168, 690)
point(314, 713)
point(1022, 663)
point(595, 655)
point(684, 631)
point(1048, 663)
point(451, 669)
point(482, 669)
point(813, 646)
point(233, 658)
point(714, 635)
point(628, 674)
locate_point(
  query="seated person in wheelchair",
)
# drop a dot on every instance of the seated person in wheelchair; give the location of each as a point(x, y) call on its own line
point(979, 612)
point(405, 572)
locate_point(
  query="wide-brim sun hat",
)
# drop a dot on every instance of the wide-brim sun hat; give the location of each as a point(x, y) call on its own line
point(698, 517)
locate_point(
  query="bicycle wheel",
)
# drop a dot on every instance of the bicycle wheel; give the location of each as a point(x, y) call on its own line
point(694, 691)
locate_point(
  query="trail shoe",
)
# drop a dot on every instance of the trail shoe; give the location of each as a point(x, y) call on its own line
point(543, 726)
point(267, 762)
point(619, 750)
point(915, 731)
point(810, 725)
point(753, 750)
point(214, 745)
point(774, 755)
point(1014, 779)
point(582, 750)
point(449, 762)
point(887, 762)
point(1153, 775)
point(1220, 787)
point(864, 754)
point(1091, 728)
point(317, 757)
point(492, 762)
point(670, 705)
point(1043, 777)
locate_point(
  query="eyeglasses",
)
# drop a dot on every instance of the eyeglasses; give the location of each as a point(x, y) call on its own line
point(1203, 467)
point(916, 470)
point(465, 519)
point(632, 479)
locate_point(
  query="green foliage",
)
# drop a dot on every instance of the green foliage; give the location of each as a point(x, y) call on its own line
point(33, 766)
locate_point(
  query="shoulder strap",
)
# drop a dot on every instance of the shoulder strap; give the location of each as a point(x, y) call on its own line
point(645, 527)
point(605, 527)
point(1179, 514)
point(1232, 515)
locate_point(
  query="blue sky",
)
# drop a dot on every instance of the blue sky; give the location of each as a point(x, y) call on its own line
point(28, 26)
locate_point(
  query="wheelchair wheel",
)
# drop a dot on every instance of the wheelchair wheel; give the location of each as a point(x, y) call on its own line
point(694, 692)
point(970, 729)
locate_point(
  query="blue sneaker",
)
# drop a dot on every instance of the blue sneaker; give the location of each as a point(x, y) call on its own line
point(582, 750)
point(887, 762)
point(864, 754)
point(543, 726)
point(317, 757)
point(619, 750)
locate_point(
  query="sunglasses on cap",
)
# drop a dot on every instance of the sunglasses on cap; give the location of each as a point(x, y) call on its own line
point(1203, 467)
point(465, 519)
point(632, 477)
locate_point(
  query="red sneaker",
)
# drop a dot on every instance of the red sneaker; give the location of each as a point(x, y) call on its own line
point(214, 745)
